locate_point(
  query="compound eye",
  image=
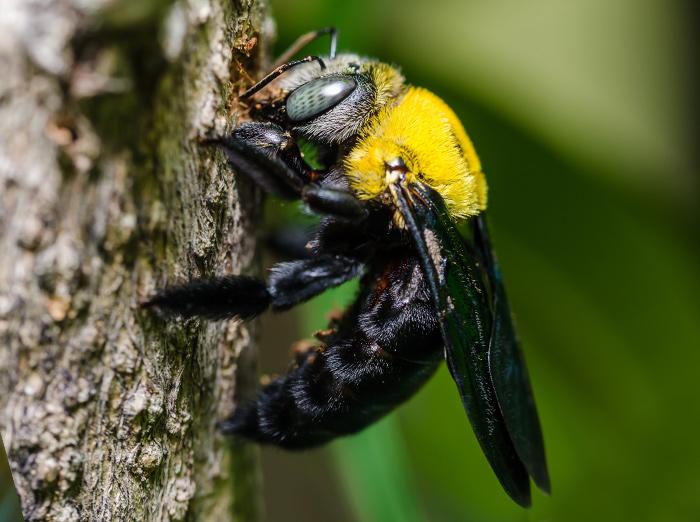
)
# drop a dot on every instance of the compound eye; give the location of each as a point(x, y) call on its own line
point(317, 96)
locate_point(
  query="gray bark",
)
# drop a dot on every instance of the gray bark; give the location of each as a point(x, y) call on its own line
point(106, 411)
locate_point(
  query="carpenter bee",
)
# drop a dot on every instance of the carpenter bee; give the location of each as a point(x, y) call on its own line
point(401, 198)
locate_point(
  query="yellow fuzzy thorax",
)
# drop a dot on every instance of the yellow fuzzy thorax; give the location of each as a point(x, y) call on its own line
point(426, 134)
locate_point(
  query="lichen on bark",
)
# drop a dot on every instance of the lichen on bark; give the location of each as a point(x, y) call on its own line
point(106, 193)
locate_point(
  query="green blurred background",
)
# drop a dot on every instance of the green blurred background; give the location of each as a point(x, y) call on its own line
point(9, 502)
point(579, 110)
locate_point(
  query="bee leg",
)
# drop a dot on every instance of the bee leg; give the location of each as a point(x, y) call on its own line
point(269, 155)
point(338, 203)
point(293, 282)
point(289, 283)
point(214, 298)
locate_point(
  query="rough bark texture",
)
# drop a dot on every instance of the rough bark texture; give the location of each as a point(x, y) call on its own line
point(108, 412)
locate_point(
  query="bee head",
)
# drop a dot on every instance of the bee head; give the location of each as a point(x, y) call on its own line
point(332, 104)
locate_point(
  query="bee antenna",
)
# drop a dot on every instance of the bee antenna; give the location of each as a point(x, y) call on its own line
point(306, 39)
point(334, 40)
point(280, 71)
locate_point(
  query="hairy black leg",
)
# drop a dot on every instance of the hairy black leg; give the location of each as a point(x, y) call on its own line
point(289, 283)
point(293, 282)
point(386, 347)
point(338, 203)
point(269, 155)
point(215, 298)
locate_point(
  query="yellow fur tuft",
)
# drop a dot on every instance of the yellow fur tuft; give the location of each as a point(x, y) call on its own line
point(387, 81)
point(426, 134)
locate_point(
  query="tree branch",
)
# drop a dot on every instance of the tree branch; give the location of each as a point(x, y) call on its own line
point(107, 412)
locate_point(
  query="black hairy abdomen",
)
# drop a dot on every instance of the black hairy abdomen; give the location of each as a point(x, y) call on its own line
point(385, 348)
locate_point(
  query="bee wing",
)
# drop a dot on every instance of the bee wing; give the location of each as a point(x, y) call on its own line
point(508, 370)
point(462, 300)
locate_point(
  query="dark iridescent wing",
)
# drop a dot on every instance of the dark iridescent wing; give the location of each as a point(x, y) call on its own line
point(509, 372)
point(460, 281)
